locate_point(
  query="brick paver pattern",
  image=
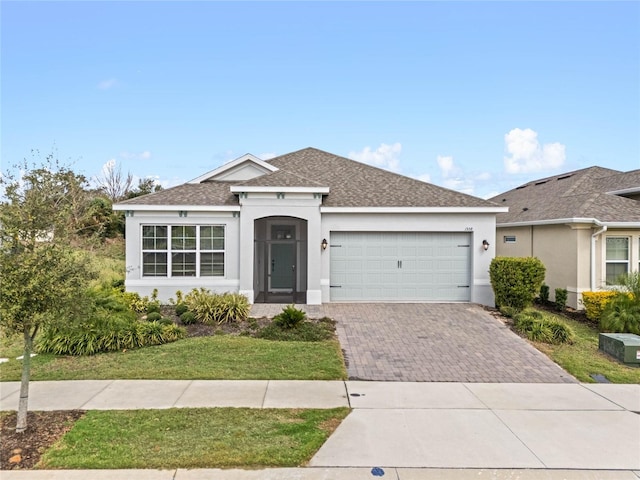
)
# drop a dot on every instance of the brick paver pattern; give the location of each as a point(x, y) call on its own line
point(430, 342)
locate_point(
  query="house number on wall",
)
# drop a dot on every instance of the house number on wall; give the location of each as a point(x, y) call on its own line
point(468, 229)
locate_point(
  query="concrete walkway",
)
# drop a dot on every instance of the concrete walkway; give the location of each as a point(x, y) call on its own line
point(430, 342)
point(413, 431)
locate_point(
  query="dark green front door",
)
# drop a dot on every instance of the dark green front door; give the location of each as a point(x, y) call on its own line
point(283, 260)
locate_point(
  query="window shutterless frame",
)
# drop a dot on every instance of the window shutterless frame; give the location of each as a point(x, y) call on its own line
point(183, 250)
point(617, 250)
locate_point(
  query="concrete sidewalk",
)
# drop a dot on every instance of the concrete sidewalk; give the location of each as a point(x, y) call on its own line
point(413, 431)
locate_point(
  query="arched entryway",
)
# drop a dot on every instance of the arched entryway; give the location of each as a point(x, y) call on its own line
point(280, 253)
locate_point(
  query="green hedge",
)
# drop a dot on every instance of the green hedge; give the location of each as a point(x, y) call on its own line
point(516, 280)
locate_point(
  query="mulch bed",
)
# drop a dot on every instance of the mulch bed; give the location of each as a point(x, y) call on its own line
point(23, 450)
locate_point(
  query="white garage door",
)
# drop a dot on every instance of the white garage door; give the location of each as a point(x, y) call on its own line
point(394, 266)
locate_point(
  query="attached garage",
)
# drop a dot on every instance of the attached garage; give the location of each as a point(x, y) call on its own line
point(400, 266)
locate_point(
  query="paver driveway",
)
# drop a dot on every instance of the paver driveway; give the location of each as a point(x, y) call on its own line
point(431, 342)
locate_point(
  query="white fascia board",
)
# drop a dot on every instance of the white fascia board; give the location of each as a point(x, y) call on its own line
point(625, 191)
point(243, 189)
point(564, 221)
point(414, 209)
point(232, 164)
point(177, 208)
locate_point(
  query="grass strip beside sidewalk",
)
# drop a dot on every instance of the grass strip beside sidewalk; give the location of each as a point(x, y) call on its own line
point(193, 438)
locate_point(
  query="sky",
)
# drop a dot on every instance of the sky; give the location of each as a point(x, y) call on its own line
point(479, 97)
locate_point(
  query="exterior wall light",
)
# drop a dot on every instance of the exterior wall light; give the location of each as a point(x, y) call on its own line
point(485, 245)
point(324, 244)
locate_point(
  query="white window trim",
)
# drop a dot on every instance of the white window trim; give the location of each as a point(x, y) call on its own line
point(169, 251)
point(627, 262)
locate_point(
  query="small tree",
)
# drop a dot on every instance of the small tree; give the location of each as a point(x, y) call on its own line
point(43, 280)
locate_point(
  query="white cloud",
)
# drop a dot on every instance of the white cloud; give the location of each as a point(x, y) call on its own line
point(385, 156)
point(526, 154)
point(483, 177)
point(146, 155)
point(446, 166)
point(107, 84)
point(267, 156)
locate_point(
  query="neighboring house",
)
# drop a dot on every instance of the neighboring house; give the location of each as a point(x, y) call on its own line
point(311, 227)
point(583, 225)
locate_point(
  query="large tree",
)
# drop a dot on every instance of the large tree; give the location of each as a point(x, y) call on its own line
point(43, 279)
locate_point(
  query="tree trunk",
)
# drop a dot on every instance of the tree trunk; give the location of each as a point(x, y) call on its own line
point(23, 404)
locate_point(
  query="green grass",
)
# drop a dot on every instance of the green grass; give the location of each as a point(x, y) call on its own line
point(221, 357)
point(582, 358)
point(193, 438)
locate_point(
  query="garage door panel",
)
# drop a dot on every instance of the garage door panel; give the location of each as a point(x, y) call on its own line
point(413, 266)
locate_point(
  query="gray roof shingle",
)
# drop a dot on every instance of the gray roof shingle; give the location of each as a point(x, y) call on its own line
point(578, 194)
point(351, 184)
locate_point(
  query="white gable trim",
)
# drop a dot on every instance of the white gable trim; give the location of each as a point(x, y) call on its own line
point(177, 208)
point(556, 221)
point(268, 168)
point(258, 189)
point(413, 209)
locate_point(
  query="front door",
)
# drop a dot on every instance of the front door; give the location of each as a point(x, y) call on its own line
point(283, 266)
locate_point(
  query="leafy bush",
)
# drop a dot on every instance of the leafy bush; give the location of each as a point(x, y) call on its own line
point(289, 317)
point(595, 303)
point(507, 311)
point(181, 308)
point(136, 303)
point(621, 315)
point(188, 318)
point(561, 299)
point(516, 280)
point(154, 317)
point(304, 331)
point(235, 307)
point(153, 308)
point(210, 308)
point(544, 293)
point(105, 334)
point(541, 327)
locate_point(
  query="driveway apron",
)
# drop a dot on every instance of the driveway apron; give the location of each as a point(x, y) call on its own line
point(434, 342)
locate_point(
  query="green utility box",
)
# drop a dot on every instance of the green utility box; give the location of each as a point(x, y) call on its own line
point(623, 346)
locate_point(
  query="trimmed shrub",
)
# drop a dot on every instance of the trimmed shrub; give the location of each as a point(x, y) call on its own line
point(544, 293)
point(181, 308)
point(188, 318)
point(516, 280)
point(153, 308)
point(541, 327)
point(154, 317)
point(561, 299)
point(289, 317)
point(595, 303)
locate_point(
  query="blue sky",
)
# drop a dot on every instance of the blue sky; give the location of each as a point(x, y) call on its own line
point(475, 96)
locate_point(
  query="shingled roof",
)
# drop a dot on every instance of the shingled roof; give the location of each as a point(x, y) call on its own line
point(351, 184)
point(579, 194)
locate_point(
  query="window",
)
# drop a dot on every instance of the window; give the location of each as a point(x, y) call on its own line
point(183, 251)
point(509, 239)
point(617, 258)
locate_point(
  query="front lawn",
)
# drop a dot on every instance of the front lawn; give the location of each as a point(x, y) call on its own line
point(218, 357)
point(582, 358)
point(193, 438)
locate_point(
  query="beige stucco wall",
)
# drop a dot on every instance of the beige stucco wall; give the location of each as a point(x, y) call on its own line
point(555, 246)
point(565, 251)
